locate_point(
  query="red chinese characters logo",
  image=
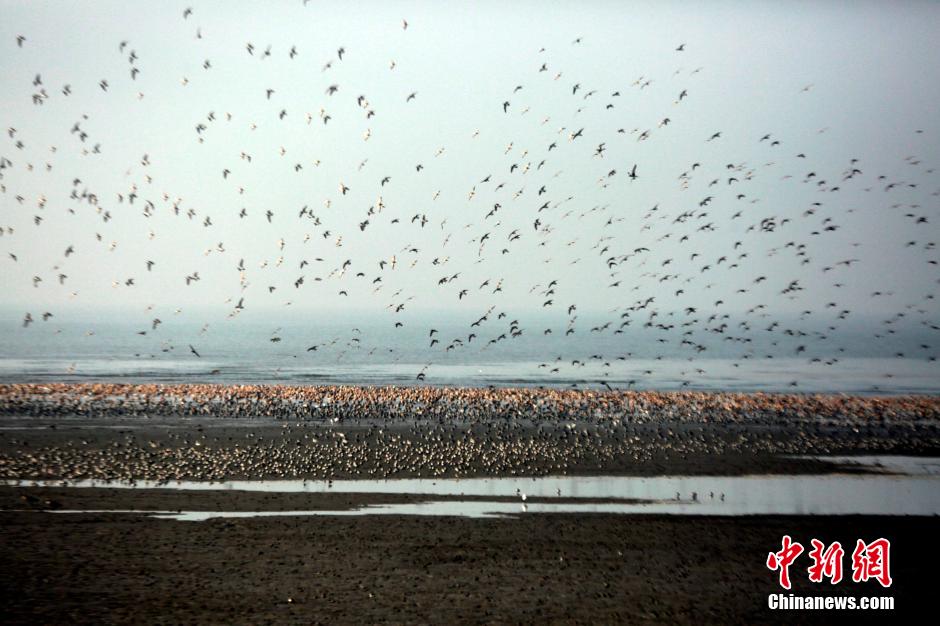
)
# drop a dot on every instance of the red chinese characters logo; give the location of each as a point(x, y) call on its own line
point(869, 561)
point(782, 560)
point(826, 563)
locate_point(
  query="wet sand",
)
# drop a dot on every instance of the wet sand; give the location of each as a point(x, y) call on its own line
point(112, 568)
point(52, 499)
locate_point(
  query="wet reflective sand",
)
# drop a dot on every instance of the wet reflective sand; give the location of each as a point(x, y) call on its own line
point(913, 490)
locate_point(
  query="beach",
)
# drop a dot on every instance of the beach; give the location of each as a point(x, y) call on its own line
point(94, 553)
point(111, 568)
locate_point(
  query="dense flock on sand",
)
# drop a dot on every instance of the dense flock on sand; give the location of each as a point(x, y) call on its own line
point(368, 432)
point(352, 403)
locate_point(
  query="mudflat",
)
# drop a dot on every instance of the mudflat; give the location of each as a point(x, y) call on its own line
point(125, 568)
point(114, 567)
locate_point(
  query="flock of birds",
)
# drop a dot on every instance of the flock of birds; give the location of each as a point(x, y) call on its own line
point(500, 247)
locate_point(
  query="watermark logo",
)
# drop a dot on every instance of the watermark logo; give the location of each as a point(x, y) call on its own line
point(869, 561)
point(827, 562)
point(783, 559)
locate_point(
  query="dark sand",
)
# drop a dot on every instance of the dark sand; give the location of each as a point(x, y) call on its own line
point(113, 568)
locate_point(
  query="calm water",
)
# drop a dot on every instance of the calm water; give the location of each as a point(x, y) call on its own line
point(358, 353)
point(912, 488)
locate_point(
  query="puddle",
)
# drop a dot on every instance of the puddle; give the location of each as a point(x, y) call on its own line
point(888, 496)
point(908, 486)
point(722, 496)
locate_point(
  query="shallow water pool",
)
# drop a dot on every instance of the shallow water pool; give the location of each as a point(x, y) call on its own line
point(907, 486)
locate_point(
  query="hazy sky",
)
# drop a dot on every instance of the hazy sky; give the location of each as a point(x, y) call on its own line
point(872, 79)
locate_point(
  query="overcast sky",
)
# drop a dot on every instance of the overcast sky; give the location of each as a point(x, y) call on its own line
point(832, 81)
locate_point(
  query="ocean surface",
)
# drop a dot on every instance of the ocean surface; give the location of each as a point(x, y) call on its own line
point(350, 352)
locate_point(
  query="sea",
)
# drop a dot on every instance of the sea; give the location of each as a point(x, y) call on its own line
point(364, 352)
